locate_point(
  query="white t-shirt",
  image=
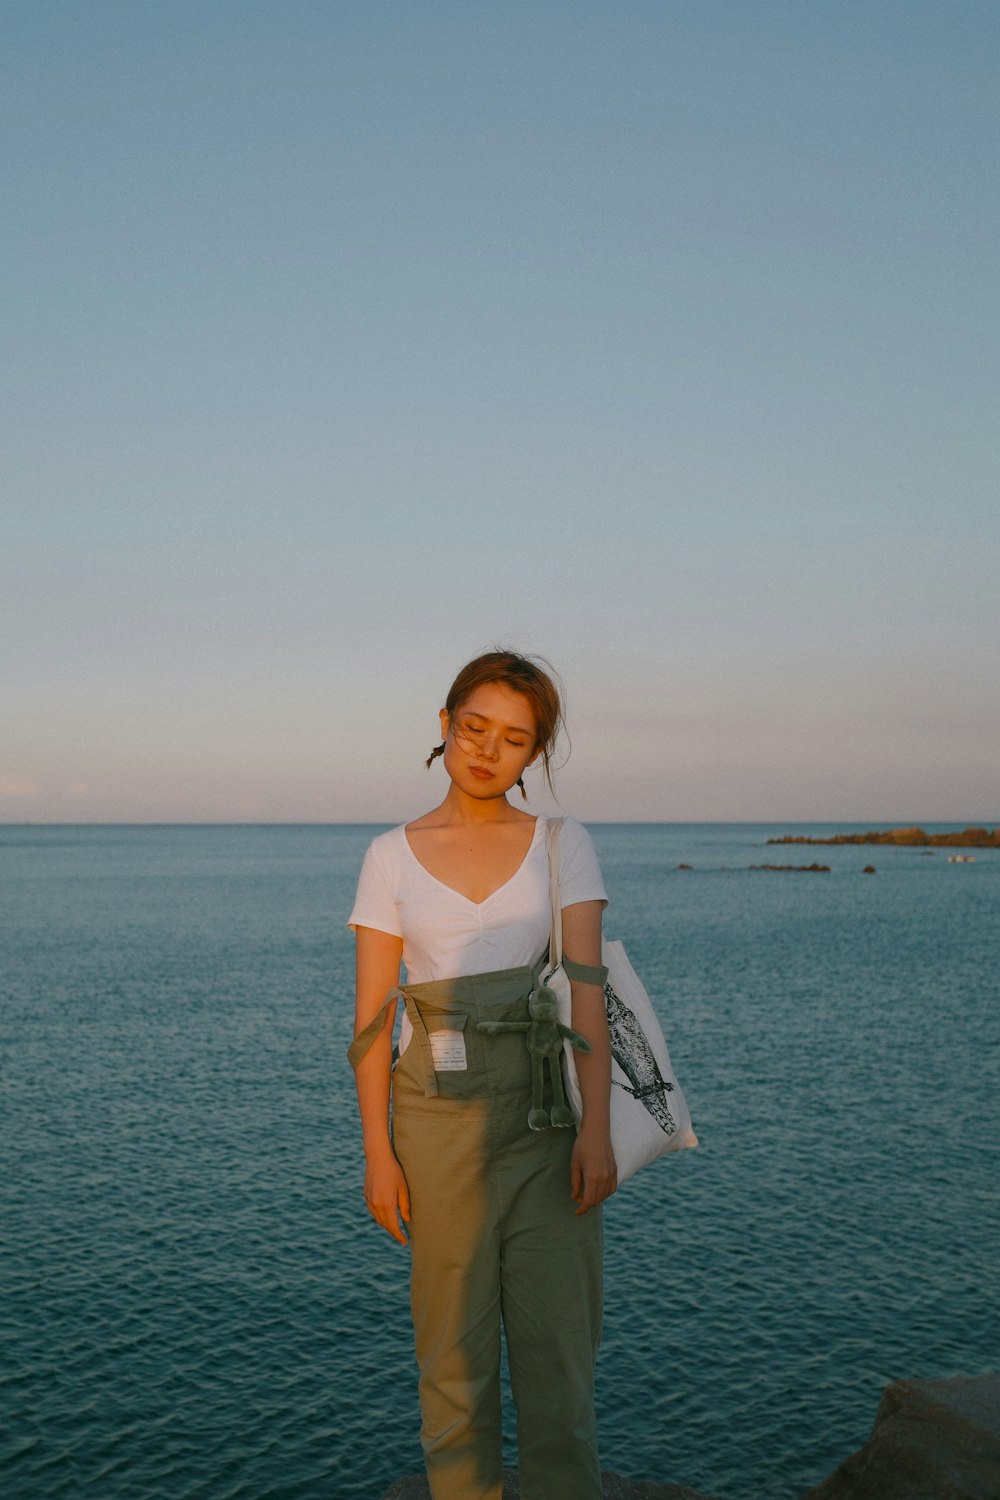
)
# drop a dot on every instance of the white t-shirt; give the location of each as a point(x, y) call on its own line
point(444, 933)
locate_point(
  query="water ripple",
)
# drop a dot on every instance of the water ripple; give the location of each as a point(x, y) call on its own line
point(197, 1306)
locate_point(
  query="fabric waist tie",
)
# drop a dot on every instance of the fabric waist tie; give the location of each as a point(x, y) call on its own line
point(365, 1040)
point(585, 973)
point(445, 993)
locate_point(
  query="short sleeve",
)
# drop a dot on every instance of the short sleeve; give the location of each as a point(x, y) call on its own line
point(375, 904)
point(579, 872)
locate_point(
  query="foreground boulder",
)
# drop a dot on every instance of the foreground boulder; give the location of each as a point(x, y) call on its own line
point(932, 1440)
point(613, 1487)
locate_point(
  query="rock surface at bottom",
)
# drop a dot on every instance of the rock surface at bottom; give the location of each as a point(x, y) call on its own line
point(613, 1487)
point(931, 1440)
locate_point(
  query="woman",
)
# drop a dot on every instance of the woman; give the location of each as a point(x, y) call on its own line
point(503, 1221)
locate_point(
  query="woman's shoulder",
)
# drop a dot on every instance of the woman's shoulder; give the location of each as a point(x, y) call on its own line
point(388, 845)
point(579, 867)
point(573, 832)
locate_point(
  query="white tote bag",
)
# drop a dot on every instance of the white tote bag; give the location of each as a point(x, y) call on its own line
point(649, 1115)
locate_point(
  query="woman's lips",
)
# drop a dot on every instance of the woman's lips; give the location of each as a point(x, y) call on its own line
point(482, 773)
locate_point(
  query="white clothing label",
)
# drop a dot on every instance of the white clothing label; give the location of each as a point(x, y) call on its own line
point(448, 1051)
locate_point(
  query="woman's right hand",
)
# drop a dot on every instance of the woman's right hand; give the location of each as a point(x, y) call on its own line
point(387, 1194)
point(388, 1197)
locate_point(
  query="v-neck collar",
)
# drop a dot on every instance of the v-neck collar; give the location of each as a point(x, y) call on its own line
point(539, 823)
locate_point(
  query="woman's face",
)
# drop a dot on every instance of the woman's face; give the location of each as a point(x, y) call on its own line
point(489, 740)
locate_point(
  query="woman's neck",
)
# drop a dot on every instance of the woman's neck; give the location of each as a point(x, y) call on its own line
point(458, 807)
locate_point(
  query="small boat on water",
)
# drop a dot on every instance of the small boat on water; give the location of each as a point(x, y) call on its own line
point(961, 859)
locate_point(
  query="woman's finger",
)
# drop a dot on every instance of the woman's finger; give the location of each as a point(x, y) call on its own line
point(595, 1190)
point(387, 1220)
point(585, 1197)
point(575, 1181)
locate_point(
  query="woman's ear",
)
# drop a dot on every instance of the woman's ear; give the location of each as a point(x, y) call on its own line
point(443, 719)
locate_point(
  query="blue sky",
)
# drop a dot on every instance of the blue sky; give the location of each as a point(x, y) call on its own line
point(342, 341)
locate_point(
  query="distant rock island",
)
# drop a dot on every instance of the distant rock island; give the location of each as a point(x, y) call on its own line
point(806, 869)
point(968, 838)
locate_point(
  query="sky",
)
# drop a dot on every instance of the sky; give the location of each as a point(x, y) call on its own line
point(342, 341)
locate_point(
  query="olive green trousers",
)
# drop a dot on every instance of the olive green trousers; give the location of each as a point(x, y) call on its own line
point(494, 1238)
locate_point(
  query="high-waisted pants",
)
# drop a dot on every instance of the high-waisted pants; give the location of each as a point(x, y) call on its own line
point(494, 1236)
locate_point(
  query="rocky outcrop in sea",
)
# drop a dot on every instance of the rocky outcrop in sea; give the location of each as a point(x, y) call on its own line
point(967, 838)
point(802, 869)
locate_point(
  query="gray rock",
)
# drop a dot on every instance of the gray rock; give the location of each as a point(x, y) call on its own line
point(932, 1440)
point(613, 1487)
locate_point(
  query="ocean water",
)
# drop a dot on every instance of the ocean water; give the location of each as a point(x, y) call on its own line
point(196, 1304)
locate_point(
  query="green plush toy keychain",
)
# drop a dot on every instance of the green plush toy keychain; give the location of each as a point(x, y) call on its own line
point(545, 1040)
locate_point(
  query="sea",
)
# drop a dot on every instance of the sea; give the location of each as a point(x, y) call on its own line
point(196, 1305)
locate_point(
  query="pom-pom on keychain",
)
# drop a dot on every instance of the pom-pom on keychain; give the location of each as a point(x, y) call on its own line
point(545, 1043)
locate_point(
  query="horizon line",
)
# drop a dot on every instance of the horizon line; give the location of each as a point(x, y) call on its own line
point(993, 822)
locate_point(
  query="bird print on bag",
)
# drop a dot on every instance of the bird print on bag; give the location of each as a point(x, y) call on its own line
point(633, 1054)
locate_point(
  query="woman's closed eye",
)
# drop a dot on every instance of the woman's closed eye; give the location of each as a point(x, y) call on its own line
point(477, 731)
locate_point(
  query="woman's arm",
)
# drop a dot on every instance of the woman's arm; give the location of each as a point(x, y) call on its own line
point(378, 956)
point(594, 1175)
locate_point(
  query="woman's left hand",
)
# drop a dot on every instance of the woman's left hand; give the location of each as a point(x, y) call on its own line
point(593, 1172)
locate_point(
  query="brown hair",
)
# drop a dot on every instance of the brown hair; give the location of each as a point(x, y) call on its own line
point(524, 674)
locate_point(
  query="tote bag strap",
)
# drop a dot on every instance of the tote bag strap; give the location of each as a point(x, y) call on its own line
point(552, 831)
point(582, 973)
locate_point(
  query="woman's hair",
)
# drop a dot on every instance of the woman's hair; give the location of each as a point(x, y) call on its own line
point(524, 674)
